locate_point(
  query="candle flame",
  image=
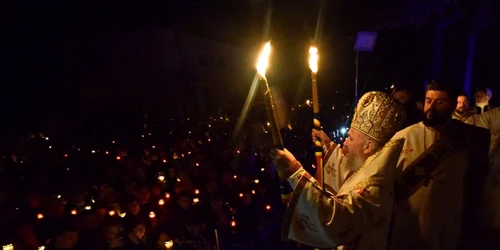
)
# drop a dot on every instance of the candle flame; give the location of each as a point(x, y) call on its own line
point(167, 195)
point(123, 215)
point(152, 215)
point(88, 207)
point(169, 244)
point(268, 207)
point(112, 213)
point(39, 216)
point(196, 200)
point(263, 61)
point(196, 191)
point(313, 59)
point(73, 211)
point(161, 202)
point(233, 223)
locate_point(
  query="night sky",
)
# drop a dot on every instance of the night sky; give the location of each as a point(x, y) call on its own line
point(37, 33)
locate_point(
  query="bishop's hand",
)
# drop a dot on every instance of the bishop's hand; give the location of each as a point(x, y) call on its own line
point(319, 134)
point(284, 162)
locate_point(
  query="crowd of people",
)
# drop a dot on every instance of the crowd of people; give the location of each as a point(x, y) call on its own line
point(192, 184)
point(200, 186)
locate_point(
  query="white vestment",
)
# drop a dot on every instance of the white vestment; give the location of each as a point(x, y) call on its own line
point(491, 121)
point(436, 213)
point(358, 215)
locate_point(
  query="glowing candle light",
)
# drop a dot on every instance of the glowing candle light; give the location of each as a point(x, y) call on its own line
point(41, 248)
point(235, 176)
point(112, 213)
point(67, 169)
point(161, 178)
point(253, 191)
point(113, 142)
point(167, 195)
point(196, 200)
point(197, 164)
point(65, 155)
point(196, 191)
point(178, 180)
point(93, 151)
point(50, 146)
point(164, 161)
point(153, 146)
point(268, 207)
point(122, 215)
point(256, 181)
point(59, 197)
point(161, 202)
point(8, 247)
point(237, 151)
point(73, 212)
point(149, 134)
point(233, 223)
point(152, 215)
point(268, 124)
point(118, 158)
point(39, 216)
point(262, 170)
point(241, 194)
point(209, 140)
point(169, 244)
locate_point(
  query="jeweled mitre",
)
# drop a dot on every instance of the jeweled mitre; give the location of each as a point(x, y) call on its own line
point(378, 116)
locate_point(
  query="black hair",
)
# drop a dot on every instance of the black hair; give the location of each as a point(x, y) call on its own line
point(444, 86)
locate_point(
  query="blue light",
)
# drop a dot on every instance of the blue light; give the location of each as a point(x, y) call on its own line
point(343, 131)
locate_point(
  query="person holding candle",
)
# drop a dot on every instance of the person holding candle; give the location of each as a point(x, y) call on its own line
point(359, 212)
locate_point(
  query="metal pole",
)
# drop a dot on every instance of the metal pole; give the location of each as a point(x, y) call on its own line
point(356, 81)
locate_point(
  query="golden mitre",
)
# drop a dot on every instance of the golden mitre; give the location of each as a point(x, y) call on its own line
point(378, 116)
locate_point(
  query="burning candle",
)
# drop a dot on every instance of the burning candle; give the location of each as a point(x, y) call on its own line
point(253, 191)
point(169, 244)
point(88, 207)
point(39, 216)
point(167, 195)
point(118, 158)
point(93, 151)
point(65, 155)
point(161, 178)
point(112, 213)
point(107, 152)
point(235, 176)
point(164, 161)
point(233, 223)
point(268, 207)
point(196, 200)
point(113, 142)
point(161, 202)
point(178, 180)
point(153, 146)
point(8, 247)
point(196, 191)
point(262, 170)
point(197, 164)
point(241, 194)
point(256, 181)
point(122, 215)
point(73, 211)
point(152, 215)
point(41, 248)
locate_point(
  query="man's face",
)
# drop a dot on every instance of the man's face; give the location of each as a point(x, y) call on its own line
point(353, 148)
point(462, 104)
point(402, 96)
point(437, 108)
point(480, 97)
